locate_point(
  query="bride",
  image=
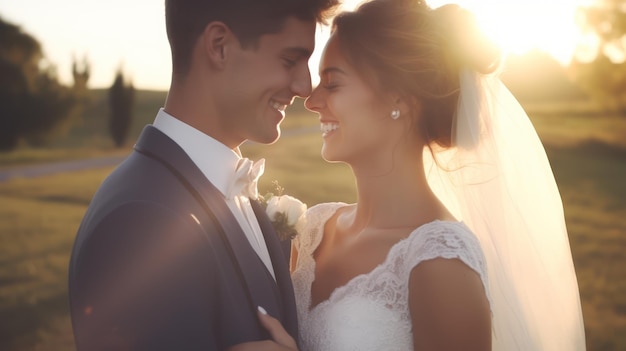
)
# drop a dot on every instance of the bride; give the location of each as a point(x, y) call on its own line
point(457, 240)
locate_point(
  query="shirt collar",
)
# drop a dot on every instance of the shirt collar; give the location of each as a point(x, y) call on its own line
point(216, 161)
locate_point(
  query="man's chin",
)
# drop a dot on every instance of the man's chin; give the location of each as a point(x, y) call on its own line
point(269, 138)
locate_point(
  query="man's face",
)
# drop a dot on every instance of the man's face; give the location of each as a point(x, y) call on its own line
point(262, 81)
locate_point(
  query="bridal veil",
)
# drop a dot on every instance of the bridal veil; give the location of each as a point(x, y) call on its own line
point(498, 181)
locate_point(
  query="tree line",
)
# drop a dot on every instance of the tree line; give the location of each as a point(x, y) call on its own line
point(604, 75)
point(35, 106)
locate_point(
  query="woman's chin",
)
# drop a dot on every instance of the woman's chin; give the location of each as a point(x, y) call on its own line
point(330, 156)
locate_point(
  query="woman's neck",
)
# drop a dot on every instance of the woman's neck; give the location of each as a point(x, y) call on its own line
point(399, 198)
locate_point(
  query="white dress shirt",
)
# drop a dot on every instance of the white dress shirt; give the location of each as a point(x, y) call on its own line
point(206, 153)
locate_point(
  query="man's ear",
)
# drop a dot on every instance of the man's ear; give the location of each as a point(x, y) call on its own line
point(216, 39)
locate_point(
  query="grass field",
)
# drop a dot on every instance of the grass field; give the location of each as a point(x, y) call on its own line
point(39, 218)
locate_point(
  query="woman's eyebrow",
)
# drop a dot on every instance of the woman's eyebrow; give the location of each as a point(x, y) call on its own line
point(329, 70)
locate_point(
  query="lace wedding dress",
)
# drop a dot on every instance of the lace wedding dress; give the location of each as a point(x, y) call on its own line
point(371, 311)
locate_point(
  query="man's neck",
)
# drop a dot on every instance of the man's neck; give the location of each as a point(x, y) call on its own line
point(195, 108)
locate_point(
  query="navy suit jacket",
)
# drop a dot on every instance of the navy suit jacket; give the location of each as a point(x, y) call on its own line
point(160, 263)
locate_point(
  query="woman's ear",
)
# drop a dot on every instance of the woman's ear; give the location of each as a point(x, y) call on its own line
point(408, 106)
point(216, 38)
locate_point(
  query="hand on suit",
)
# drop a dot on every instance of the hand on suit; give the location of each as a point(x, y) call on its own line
point(282, 341)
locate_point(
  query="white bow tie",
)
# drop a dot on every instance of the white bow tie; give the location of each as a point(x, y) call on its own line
point(245, 179)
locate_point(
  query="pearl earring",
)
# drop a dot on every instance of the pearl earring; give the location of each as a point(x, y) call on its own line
point(395, 114)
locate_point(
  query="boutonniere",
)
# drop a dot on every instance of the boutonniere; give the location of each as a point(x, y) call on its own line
point(286, 212)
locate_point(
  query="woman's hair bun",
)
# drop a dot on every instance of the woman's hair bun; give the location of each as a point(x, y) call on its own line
point(464, 42)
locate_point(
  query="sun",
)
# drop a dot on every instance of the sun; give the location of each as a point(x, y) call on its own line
point(521, 26)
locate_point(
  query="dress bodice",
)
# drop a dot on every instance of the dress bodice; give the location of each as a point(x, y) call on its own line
point(371, 311)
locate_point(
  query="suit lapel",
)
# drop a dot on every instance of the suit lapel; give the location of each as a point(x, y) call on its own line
point(281, 269)
point(261, 290)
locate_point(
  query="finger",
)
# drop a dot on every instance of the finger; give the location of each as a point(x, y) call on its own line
point(276, 330)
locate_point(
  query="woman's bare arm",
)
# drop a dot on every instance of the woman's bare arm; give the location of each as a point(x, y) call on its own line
point(449, 308)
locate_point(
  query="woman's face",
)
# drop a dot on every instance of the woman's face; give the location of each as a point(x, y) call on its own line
point(355, 120)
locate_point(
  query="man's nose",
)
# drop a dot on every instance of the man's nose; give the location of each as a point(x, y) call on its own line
point(301, 85)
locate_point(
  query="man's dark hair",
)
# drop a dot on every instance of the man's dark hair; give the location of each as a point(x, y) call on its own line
point(247, 19)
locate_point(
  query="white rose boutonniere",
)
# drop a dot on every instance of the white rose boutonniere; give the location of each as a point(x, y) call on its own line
point(286, 213)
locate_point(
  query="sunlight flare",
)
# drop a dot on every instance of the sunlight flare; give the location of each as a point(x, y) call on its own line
point(519, 27)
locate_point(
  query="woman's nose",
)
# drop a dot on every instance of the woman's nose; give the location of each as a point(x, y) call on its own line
point(312, 103)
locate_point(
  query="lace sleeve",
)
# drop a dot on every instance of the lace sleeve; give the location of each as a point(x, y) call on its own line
point(309, 238)
point(450, 240)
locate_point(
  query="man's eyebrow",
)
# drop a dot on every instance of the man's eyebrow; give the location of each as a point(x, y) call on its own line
point(302, 52)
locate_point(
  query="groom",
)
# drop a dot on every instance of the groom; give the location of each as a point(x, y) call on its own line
point(173, 252)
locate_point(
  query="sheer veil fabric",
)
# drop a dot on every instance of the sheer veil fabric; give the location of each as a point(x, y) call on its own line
point(498, 181)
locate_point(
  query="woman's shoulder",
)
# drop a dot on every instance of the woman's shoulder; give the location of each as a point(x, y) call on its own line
point(325, 208)
point(316, 217)
point(446, 239)
point(451, 233)
point(456, 244)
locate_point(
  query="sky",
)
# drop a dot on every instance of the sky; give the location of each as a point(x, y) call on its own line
point(131, 34)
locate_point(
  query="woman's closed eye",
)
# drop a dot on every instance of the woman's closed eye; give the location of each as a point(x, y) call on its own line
point(331, 78)
point(330, 86)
